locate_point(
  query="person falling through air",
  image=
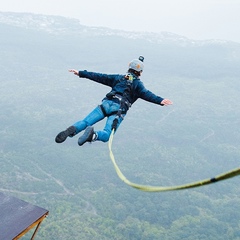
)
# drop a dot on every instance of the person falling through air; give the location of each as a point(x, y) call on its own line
point(125, 90)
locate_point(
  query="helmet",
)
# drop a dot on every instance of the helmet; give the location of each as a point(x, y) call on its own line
point(137, 64)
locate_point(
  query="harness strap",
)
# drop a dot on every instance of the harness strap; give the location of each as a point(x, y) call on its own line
point(121, 99)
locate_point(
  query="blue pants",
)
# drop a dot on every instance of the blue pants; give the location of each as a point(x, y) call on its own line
point(97, 115)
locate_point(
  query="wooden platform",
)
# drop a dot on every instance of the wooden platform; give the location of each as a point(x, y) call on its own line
point(17, 217)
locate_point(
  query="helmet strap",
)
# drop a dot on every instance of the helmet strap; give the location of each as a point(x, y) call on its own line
point(130, 70)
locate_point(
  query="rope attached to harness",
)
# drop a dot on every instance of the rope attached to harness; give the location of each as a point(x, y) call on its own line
point(223, 176)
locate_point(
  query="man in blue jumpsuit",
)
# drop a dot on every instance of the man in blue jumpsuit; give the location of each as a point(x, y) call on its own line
point(125, 90)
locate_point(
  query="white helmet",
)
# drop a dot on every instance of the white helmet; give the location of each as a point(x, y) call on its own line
point(137, 64)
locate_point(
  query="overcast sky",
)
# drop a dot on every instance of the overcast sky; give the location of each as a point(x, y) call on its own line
point(195, 19)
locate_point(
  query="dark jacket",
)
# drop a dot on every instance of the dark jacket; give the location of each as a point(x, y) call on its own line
point(118, 84)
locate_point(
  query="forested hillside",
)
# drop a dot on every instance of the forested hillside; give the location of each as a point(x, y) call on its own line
point(196, 138)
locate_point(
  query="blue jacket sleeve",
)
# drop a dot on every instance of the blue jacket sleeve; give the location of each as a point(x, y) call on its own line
point(147, 95)
point(106, 79)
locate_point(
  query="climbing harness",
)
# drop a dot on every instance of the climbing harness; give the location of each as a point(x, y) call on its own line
point(124, 103)
point(223, 176)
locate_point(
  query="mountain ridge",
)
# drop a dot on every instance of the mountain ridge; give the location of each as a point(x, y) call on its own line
point(59, 25)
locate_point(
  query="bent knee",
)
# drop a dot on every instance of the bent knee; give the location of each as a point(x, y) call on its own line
point(103, 136)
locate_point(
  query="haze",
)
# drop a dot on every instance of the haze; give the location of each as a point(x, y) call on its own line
point(198, 19)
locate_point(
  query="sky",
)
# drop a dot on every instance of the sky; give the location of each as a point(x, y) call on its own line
point(194, 19)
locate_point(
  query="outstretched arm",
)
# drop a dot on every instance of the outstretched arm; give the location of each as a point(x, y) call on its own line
point(149, 96)
point(105, 79)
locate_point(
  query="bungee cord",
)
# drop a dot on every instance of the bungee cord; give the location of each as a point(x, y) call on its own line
point(147, 188)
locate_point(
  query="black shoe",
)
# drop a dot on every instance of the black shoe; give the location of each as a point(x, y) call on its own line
point(62, 136)
point(87, 136)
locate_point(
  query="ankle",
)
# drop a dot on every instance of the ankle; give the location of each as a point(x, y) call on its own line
point(95, 136)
